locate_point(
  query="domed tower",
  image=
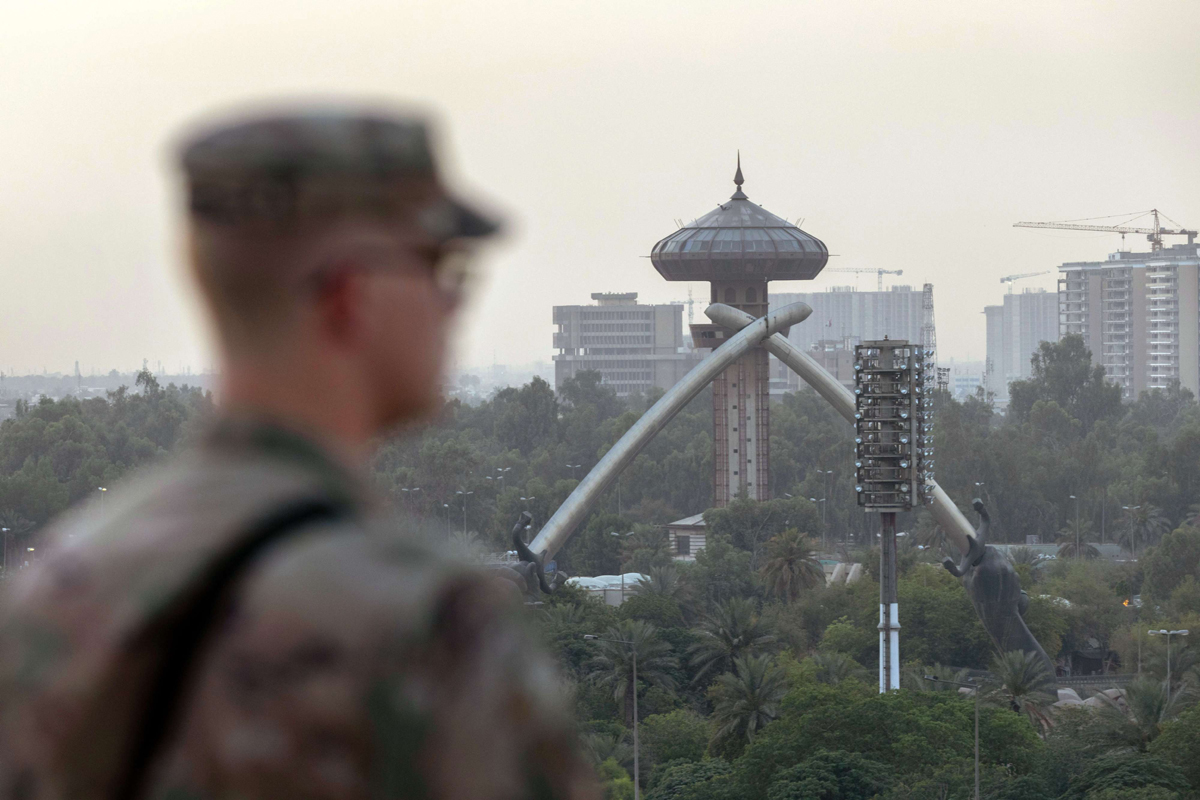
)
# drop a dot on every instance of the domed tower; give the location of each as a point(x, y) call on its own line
point(738, 247)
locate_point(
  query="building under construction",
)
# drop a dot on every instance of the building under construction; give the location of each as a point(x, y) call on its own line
point(1139, 314)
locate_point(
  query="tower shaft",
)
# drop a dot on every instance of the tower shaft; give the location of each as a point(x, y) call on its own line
point(742, 408)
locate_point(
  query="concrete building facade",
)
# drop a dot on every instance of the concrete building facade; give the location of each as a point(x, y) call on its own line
point(842, 313)
point(634, 347)
point(1015, 330)
point(1139, 314)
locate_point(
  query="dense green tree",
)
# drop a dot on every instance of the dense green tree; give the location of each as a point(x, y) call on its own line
point(1063, 373)
point(1176, 557)
point(680, 735)
point(1124, 773)
point(837, 775)
point(914, 734)
point(750, 524)
point(711, 779)
point(720, 573)
point(1178, 742)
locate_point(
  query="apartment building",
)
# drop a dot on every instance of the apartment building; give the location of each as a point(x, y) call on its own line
point(1139, 314)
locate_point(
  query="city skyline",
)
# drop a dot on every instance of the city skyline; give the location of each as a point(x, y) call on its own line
point(586, 133)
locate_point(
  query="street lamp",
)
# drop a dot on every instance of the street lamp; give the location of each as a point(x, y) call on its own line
point(1076, 499)
point(574, 467)
point(464, 498)
point(103, 493)
point(409, 492)
point(822, 502)
point(974, 687)
point(1168, 634)
point(1132, 543)
point(637, 793)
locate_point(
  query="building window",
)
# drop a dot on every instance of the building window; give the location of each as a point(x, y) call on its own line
point(683, 544)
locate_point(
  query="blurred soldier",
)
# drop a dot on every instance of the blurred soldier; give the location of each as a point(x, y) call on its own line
point(243, 623)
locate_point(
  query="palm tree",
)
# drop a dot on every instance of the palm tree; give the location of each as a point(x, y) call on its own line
point(914, 678)
point(1070, 547)
point(746, 699)
point(1184, 661)
point(1147, 525)
point(833, 668)
point(1192, 517)
point(1137, 721)
point(467, 545)
point(600, 747)
point(792, 565)
point(563, 616)
point(733, 630)
point(613, 667)
point(667, 582)
point(1025, 685)
point(1024, 555)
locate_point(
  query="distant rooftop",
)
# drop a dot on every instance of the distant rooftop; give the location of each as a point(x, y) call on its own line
point(615, 298)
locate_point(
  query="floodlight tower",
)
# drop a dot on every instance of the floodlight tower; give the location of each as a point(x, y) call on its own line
point(738, 247)
point(893, 463)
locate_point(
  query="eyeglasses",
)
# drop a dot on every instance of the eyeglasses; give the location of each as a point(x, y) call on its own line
point(450, 268)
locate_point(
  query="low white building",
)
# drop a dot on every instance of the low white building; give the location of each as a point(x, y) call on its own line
point(612, 589)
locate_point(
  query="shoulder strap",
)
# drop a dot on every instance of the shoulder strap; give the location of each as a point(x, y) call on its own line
point(184, 632)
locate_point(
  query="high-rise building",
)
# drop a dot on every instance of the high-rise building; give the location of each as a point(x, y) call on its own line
point(1014, 332)
point(738, 247)
point(841, 313)
point(634, 347)
point(1138, 314)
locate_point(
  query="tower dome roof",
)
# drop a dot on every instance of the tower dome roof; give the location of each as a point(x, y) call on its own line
point(739, 240)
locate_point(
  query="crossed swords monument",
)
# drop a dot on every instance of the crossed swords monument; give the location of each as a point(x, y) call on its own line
point(739, 247)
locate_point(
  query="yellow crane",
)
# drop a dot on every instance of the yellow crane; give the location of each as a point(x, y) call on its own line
point(1153, 234)
point(856, 270)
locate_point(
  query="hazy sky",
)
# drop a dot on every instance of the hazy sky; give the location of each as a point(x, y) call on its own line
point(908, 135)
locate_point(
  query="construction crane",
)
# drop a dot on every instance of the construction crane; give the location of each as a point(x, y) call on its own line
point(1153, 235)
point(1011, 279)
point(856, 270)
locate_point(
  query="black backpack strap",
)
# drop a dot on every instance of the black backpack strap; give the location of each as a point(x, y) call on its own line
point(183, 633)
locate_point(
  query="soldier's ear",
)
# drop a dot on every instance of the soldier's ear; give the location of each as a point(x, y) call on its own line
point(339, 302)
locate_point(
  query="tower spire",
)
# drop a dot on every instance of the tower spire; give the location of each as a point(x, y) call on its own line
point(738, 180)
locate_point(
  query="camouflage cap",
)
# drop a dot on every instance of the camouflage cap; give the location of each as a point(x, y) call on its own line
point(296, 165)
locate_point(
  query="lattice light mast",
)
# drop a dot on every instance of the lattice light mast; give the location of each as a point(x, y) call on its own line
point(893, 463)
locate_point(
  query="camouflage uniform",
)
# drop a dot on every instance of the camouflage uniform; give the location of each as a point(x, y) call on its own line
point(355, 662)
point(348, 661)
